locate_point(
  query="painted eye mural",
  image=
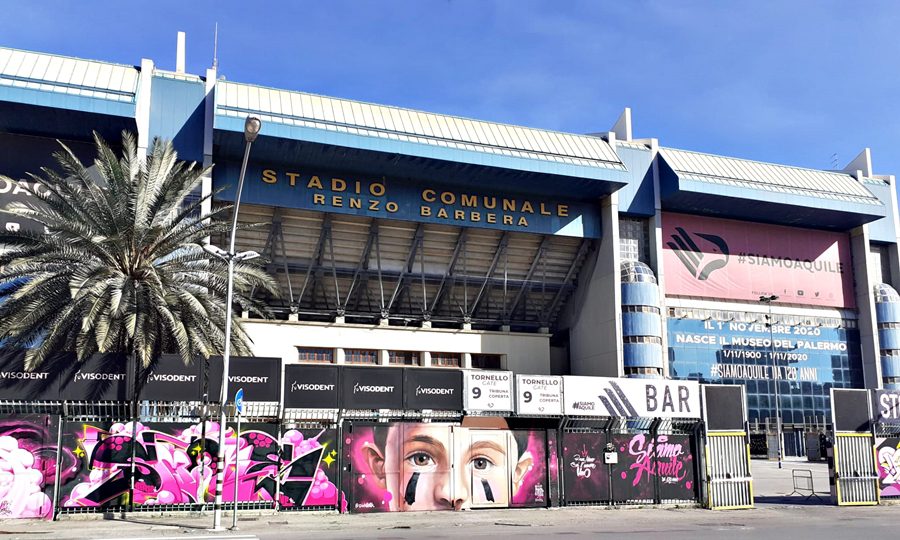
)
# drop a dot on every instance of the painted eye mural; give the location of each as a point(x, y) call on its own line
point(401, 467)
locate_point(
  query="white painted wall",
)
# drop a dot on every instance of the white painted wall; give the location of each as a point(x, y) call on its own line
point(522, 353)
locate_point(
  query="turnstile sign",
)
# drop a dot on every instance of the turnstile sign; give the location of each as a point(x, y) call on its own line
point(489, 391)
point(539, 395)
point(887, 407)
point(630, 398)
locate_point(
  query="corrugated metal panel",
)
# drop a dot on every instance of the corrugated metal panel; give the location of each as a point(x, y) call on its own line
point(766, 176)
point(66, 75)
point(238, 100)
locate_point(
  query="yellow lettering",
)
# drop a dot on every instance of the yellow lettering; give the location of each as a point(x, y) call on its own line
point(448, 198)
point(459, 214)
point(391, 207)
point(428, 195)
point(337, 200)
point(292, 178)
point(507, 220)
point(442, 213)
point(490, 202)
point(562, 210)
point(376, 189)
point(338, 185)
point(468, 200)
point(355, 202)
point(318, 198)
point(522, 222)
point(544, 211)
point(314, 182)
point(491, 218)
point(269, 176)
point(356, 187)
point(425, 211)
point(474, 216)
point(526, 207)
point(510, 205)
point(373, 204)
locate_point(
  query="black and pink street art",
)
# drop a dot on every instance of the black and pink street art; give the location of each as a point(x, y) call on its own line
point(176, 464)
point(404, 467)
point(887, 452)
point(648, 468)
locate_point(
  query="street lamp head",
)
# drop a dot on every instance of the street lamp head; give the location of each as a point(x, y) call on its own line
point(251, 128)
point(246, 256)
point(215, 251)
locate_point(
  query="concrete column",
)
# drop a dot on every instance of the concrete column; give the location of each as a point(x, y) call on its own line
point(339, 356)
point(595, 312)
point(384, 359)
point(467, 361)
point(656, 255)
point(865, 303)
point(426, 359)
point(142, 107)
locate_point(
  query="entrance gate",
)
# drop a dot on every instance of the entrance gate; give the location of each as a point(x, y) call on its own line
point(728, 478)
point(851, 460)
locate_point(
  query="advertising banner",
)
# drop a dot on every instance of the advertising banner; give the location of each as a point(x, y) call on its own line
point(539, 394)
point(631, 398)
point(488, 391)
point(171, 380)
point(260, 377)
point(436, 389)
point(887, 406)
point(420, 200)
point(310, 387)
point(371, 388)
point(39, 384)
point(99, 378)
point(735, 260)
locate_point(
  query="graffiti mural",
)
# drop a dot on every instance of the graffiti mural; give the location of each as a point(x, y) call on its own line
point(646, 469)
point(177, 464)
point(403, 467)
point(585, 477)
point(888, 454)
point(28, 456)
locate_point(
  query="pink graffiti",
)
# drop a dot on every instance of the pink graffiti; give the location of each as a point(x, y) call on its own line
point(180, 468)
point(21, 482)
point(663, 458)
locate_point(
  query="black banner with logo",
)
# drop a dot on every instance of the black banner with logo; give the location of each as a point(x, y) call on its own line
point(102, 377)
point(169, 379)
point(39, 384)
point(887, 406)
point(437, 389)
point(310, 387)
point(260, 377)
point(372, 388)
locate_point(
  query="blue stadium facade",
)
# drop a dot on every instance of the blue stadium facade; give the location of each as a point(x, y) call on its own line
point(402, 237)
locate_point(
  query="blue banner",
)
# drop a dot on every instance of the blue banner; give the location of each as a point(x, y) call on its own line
point(391, 198)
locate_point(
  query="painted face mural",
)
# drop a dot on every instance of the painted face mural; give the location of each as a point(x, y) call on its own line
point(177, 463)
point(408, 467)
point(888, 452)
point(28, 466)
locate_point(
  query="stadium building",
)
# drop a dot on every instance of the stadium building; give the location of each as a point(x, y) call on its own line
point(408, 238)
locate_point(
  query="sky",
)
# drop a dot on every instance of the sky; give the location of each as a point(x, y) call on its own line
point(806, 83)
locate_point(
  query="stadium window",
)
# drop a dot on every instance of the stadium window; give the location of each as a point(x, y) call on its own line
point(360, 356)
point(485, 361)
point(403, 358)
point(317, 355)
point(443, 359)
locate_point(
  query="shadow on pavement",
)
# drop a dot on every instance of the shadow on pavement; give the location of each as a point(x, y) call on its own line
point(793, 500)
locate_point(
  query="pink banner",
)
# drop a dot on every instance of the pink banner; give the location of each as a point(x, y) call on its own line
point(735, 260)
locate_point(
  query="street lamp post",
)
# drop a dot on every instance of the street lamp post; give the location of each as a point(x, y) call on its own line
point(775, 374)
point(251, 130)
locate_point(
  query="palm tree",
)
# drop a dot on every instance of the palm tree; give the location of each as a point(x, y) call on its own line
point(120, 266)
